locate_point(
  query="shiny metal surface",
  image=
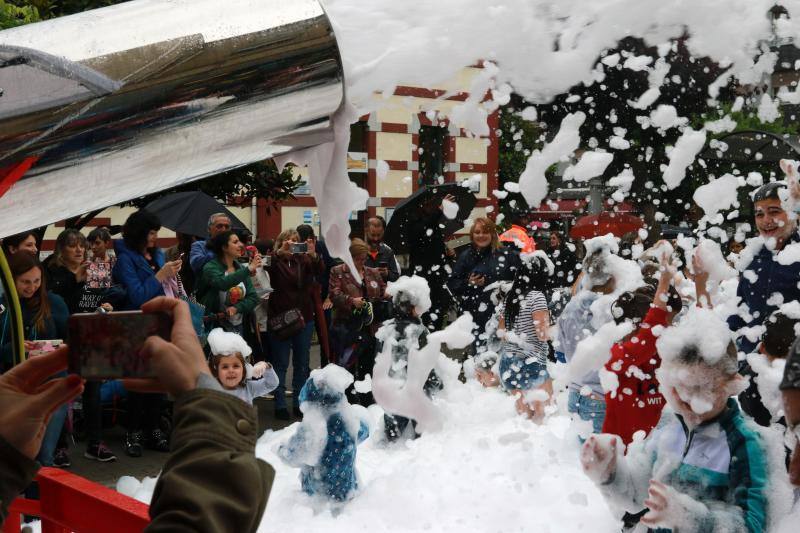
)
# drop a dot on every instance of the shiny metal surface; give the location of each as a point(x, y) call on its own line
point(124, 101)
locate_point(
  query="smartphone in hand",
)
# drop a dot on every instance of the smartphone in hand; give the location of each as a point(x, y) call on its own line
point(109, 345)
point(300, 248)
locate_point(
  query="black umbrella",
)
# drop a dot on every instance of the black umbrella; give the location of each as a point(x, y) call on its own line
point(411, 210)
point(188, 212)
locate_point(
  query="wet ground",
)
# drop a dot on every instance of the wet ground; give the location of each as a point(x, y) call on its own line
point(150, 463)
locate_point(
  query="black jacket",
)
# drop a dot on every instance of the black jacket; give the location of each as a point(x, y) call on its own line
point(384, 254)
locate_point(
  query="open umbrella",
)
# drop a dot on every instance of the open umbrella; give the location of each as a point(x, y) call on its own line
point(411, 210)
point(188, 212)
point(618, 224)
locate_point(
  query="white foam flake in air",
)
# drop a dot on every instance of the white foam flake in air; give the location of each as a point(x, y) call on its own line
point(682, 155)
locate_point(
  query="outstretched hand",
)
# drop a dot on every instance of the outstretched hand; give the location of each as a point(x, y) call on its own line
point(177, 363)
point(668, 508)
point(599, 457)
point(29, 397)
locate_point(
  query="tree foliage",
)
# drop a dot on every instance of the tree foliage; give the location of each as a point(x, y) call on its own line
point(12, 15)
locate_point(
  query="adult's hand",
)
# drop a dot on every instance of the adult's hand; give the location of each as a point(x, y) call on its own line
point(312, 248)
point(177, 363)
point(29, 397)
point(231, 311)
point(169, 270)
point(80, 274)
point(327, 304)
point(255, 262)
point(358, 302)
point(477, 279)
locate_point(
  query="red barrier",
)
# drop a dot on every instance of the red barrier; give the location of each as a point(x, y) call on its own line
point(70, 503)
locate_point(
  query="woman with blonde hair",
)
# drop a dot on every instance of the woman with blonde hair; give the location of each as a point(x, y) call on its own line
point(483, 262)
point(291, 313)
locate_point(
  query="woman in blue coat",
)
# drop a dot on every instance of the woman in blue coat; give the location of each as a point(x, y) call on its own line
point(140, 266)
point(141, 271)
point(480, 265)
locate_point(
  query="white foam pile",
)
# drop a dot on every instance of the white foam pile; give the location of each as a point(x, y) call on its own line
point(487, 470)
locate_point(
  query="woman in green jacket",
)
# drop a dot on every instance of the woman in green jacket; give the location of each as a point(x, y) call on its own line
point(225, 288)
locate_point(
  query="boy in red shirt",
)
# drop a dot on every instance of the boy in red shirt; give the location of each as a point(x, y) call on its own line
point(636, 403)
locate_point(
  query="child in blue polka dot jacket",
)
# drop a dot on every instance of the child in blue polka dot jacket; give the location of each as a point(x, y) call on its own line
point(324, 446)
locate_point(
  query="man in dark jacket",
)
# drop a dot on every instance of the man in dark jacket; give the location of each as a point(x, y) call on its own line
point(763, 277)
point(380, 256)
point(212, 480)
point(430, 258)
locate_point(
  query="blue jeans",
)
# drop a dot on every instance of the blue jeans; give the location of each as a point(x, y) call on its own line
point(51, 435)
point(588, 409)
point(300, 346)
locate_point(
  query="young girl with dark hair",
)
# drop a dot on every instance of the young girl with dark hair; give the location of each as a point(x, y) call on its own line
point(525, 322)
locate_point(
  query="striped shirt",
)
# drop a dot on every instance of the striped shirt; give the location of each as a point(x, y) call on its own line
point(523, 342)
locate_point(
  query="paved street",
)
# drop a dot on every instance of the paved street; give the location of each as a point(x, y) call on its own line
point(150, 463)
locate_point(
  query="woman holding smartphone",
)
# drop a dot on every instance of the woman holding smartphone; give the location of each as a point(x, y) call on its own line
point(225, 287)
point(44, 317)
point(480, 265)
point(142, 271)
point(291, 313)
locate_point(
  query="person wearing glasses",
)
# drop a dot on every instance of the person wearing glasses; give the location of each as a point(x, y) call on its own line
point(200, 254)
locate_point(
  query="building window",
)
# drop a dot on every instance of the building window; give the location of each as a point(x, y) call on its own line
point(432, 153)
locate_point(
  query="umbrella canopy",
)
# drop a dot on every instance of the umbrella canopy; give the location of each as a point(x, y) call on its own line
point(188, 212)
point(411, 210)
point(618, 224)
point(520, 238)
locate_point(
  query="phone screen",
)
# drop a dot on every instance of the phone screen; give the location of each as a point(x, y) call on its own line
point(299, 248)
point(108, 346)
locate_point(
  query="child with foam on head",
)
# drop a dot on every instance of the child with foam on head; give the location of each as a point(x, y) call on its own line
point(634, 402)
point(525, 321)
point(325, 444)
point(229, 364)
point(402, 335)
point(577, 322)
point(704, 467)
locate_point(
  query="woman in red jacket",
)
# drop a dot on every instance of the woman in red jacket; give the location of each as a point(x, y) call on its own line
point(636, 403)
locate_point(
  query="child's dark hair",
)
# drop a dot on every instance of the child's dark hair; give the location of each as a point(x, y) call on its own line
point(728, 364)
point(633, 305)
point(779, 334)
point(215, 359)
point(532, 275)
point(101, 233)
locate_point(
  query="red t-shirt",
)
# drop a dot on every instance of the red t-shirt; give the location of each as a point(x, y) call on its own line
point(637, 403)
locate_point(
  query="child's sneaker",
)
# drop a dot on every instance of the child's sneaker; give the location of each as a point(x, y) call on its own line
point(97, 451)
point(157, 441)
point(61, 459)
point(133, 443)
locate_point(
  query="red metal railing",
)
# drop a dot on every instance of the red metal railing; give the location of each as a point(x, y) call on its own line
point(70, 503)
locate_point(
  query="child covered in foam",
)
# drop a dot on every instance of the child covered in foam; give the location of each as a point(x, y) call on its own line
point(705, 467)
point(324, 445)
point(229, 364)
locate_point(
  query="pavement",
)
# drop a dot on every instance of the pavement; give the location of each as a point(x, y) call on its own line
point(151, 462)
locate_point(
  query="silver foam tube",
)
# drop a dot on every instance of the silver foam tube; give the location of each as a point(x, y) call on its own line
point(116, 103)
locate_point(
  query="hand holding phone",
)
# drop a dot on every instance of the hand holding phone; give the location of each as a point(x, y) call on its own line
point(178, 362)
point(109, 345)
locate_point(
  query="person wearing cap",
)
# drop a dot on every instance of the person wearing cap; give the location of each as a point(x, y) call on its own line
point(766, 275)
